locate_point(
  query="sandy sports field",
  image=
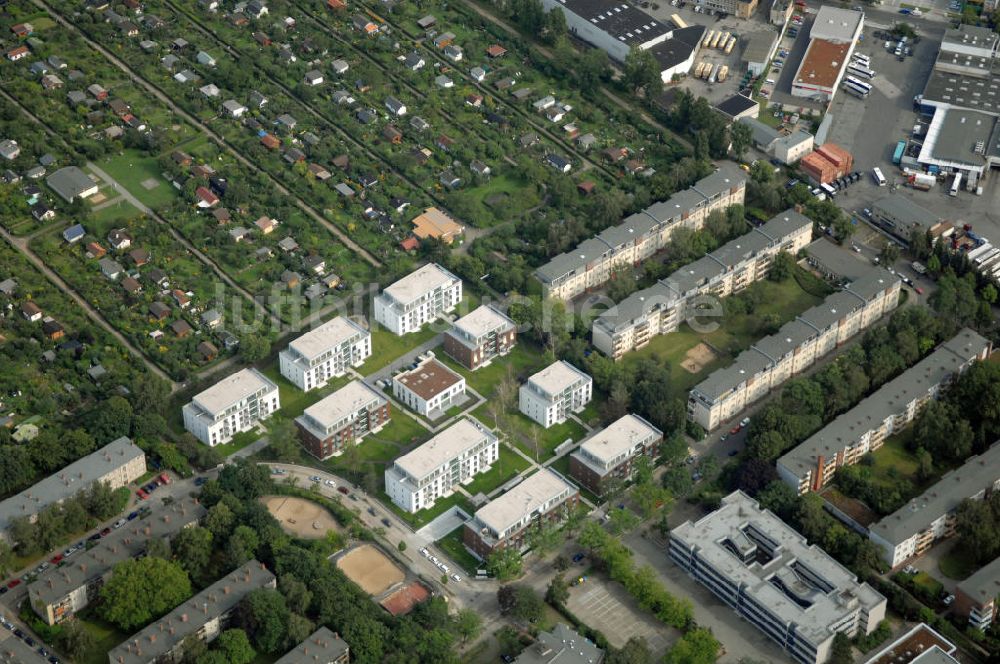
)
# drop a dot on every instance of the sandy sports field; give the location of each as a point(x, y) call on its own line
point(300, 517)
point(696, 358)
point(371, 569)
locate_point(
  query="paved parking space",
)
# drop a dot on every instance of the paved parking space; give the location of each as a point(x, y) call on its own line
point(606, 607)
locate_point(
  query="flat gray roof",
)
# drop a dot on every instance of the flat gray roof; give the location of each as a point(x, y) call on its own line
point(622, 21)
point(948, 358)
point(836, 259)
point(15, 651)
point(231, 390)
point(835, 24)
point(69, 481)
point(977, 474)
point(419, 283)
point(482, 320)
point(747, 364)
point(955, 136)
point(560, 646)
point(165, 634)
point(742, 522)
point(965, 81)
point(636, 306)
point(898, 207)
point(984, 585)
point(120, 544)
point(339, 406)
point(759, 46)
point(970, 35)
point(451, 443)
point(761, 133)
point(619, 437)
point(321, 647)
point(531, 495)
point(557, 377)
point(69, 182)
point(330, 334)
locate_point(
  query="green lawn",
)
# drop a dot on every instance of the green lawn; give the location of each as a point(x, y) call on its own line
point(780, 301)
point(928, 583)
point(893, 454)
point(388, 347)
point(238, 442)
point(132, 169)
point(522, 361)
point(119, 210)
point(380, 448)
point(500, 199)
point(523, 431)
point(508, 465)
point(293, 400)
point(957, 564)
point(452, 545)
point(106, 637)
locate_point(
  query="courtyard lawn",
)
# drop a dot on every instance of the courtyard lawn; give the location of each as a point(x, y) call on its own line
point(671, 349)
point(931, 585)
point(106, 637)
point(423, 517)
point(523, 432)
point(134, 172)
point(388, 347)
point(893, 454)
point(401, 434)
point(507, 466)
point(524, 359)
point(293, 400)
point(238, 442)
point(452, 545)
point(958, 563)
point(119, 210)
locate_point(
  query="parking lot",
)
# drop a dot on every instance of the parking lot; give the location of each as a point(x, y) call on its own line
point(606, 607)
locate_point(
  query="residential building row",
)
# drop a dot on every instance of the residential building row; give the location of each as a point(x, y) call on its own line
point(863, 429)
point(430, 388)
point(551, 395)
point(322, 647)
point(606, 459)
point(916, 526)
point(561, 646)
point(116, 464)
point(661, 308)
point(202, 617)
point(793, 592)
point(795, 347)
point(328, 351)
point(478, 337)
point(455, 456)
point(506, 521)
point(976, 597)
point(343, 418)
point(418, 298)
point(593, 262)
point(61, 592)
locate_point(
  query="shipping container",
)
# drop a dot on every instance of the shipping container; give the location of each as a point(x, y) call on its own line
point(898, 154)
point(708, 39)
point(730, 45)
point(723, 73)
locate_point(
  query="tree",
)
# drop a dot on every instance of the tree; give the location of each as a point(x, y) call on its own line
point(283, 442)
point(6, 558)
point(74, 639)
point(642, 72)
point(558, 591)
point(193, 549)
point(220, 521)
point(242, 545)
point(245, 480)
point(298, 597)
point(635, 651)
point(943, 431)
point(111, 419)
point(841, 652)
point(298, 630)
point(782, 266)
point(622, 520)
point(101, 501)
point(142, 589)
point(521, 603)
point(842, 228)
point(741, 137)
point(234, 644)
point(889, 253)
point(544, 539)
point(254, 348)
point(697, 646)
point(468, 624)
point(264, 614)
point(504, 564)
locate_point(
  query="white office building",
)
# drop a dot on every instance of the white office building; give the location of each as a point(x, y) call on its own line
point(234, 404)
point(793, 592)
point(418, 298)
point(549, 396)
point(455, 456)
point(328, 351)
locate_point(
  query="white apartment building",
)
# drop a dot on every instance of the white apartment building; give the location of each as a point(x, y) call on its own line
point(592, 263)
point(418, 298)
point(661, 308)
point(430, 389)
point(915, 527)
point(340, 419)
point(234, 404)
point(610, 453)
point(793, 592)
point(811, 465)
point(792, 349)
point(549, 396)
point(317, 356)
point(455, 456)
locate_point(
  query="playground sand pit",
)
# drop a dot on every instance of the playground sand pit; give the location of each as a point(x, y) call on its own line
point(696, 358)
point(370, 569)
point(300, 517)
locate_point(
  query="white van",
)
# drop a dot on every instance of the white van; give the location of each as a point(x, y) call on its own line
point(770, 81)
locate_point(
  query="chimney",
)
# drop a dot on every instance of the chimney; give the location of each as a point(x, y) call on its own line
point(225, 590)
point(184, 617)
point(152, 638)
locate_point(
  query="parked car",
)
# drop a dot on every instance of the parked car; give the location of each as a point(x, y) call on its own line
point(371, 510)
point(315, 478)
point(578, 557)
point(386, 523)
point(330, 483)
point(456, 578)
point(343, 489)
point(745, 421)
